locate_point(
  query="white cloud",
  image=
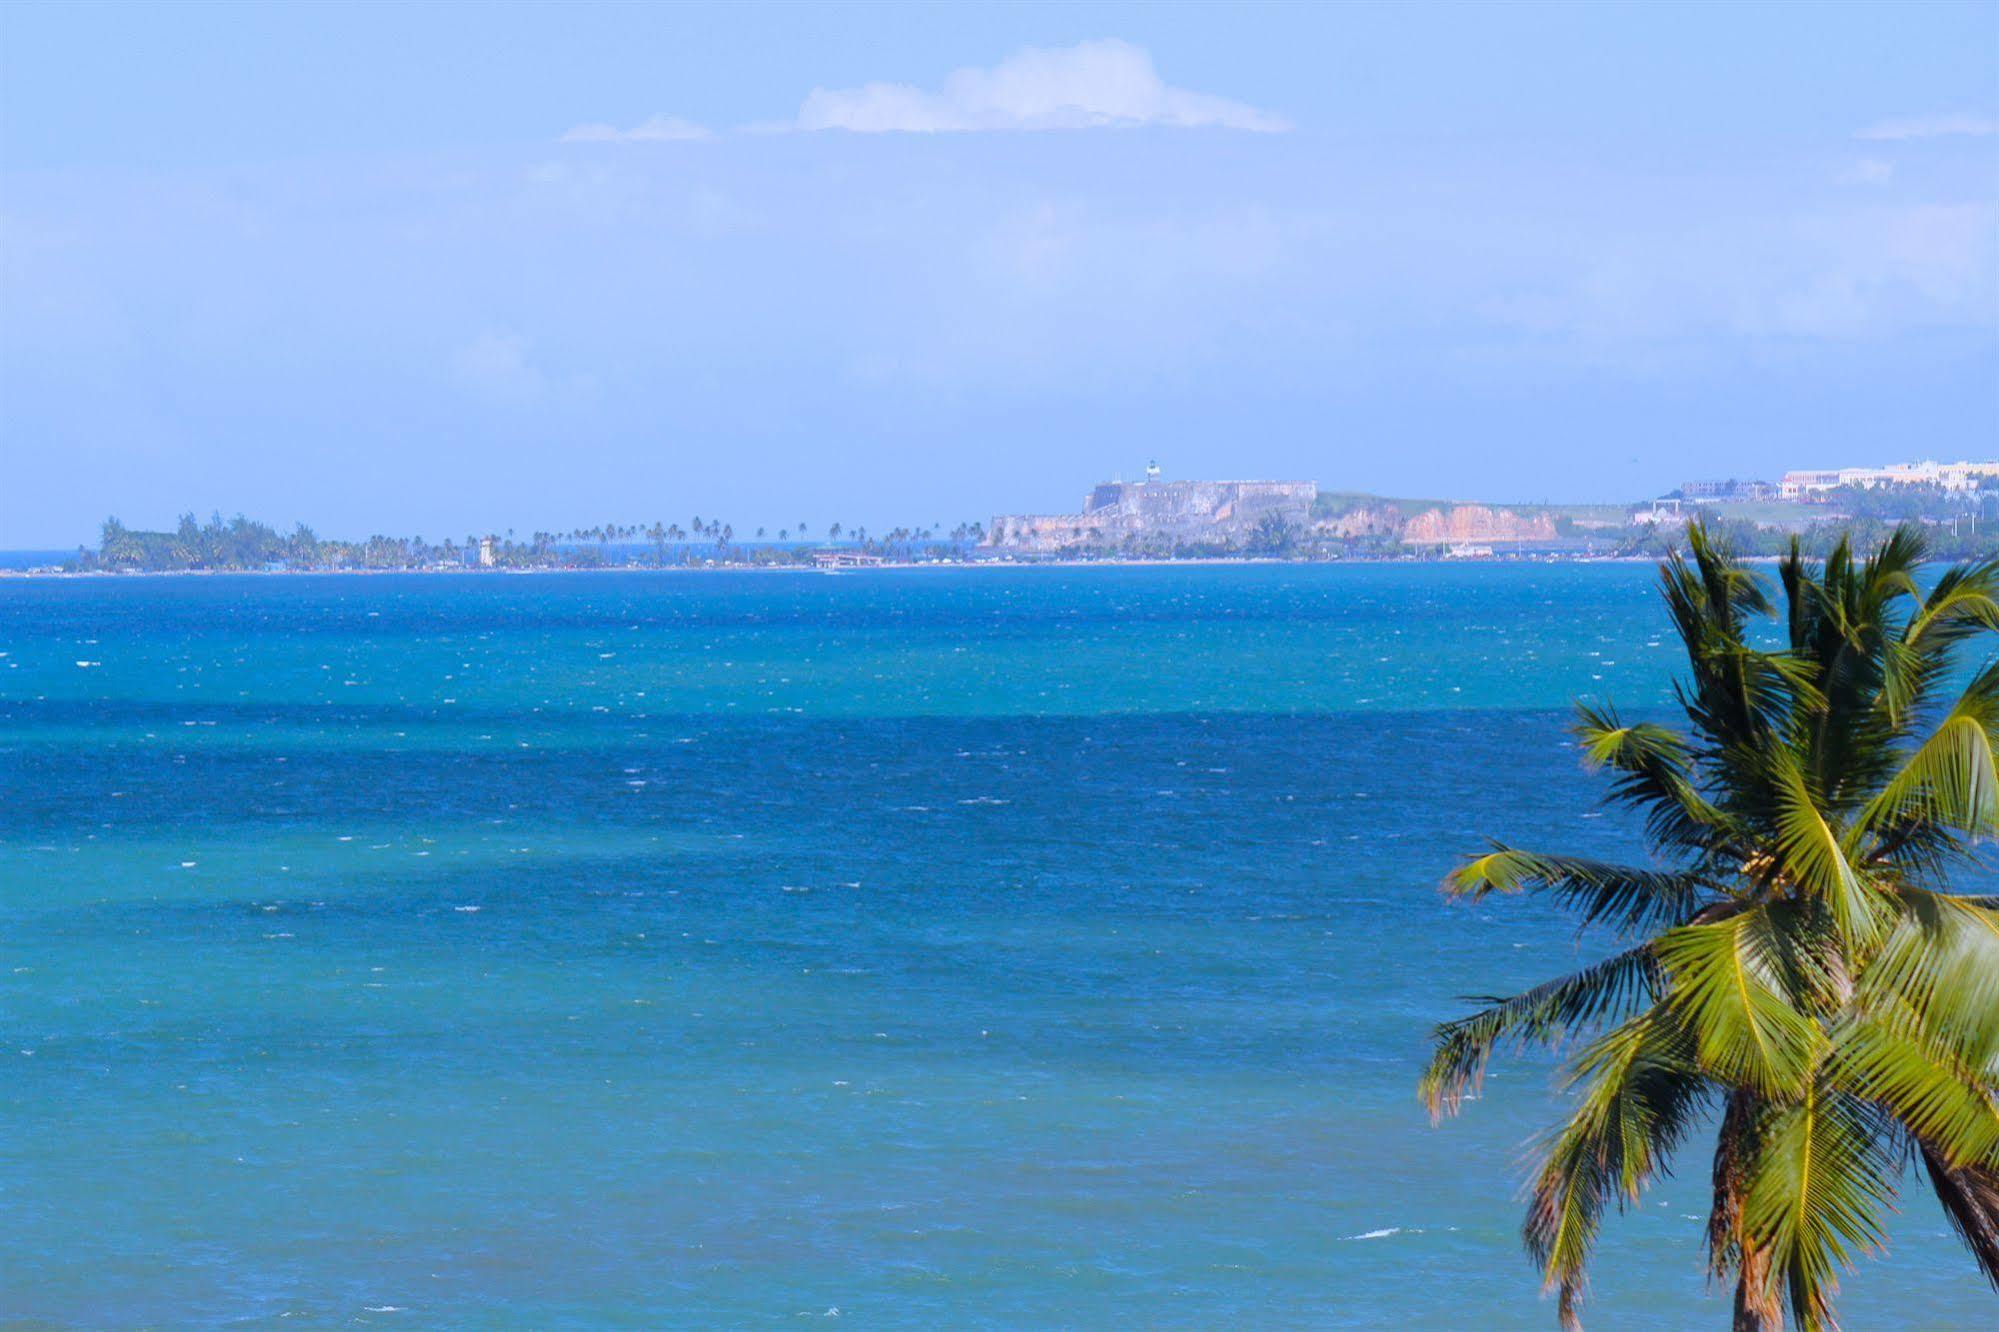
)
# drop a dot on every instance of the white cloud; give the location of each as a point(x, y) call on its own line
point(656, 129)
point(1092, 85)
point(1931, 127)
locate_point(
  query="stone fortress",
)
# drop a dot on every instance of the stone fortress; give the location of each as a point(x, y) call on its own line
point(1184, 510)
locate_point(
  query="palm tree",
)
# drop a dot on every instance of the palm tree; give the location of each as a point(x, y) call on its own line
point(1792, 960)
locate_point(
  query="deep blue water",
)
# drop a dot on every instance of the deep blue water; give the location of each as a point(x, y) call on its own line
point(990, 948)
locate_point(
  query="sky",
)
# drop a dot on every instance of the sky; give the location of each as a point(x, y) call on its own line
point(433, 269)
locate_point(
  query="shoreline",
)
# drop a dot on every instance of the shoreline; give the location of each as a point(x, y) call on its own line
point(886, 565)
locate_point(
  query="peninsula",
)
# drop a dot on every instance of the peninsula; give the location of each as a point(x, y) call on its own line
point(1152, 519)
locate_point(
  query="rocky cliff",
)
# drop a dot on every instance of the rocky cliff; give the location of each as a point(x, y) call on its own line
point(1476, 523)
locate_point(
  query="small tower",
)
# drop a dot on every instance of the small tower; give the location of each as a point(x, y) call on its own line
point(1152, 471)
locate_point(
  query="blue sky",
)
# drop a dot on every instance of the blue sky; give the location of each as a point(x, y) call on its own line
point(437, 268)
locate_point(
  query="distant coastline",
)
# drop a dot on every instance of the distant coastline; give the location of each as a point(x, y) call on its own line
point(807, 570)
point(1151, 521)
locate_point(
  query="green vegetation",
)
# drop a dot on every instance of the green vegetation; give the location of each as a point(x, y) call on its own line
point(1958, 524)
point(1794, 961)
point(1970, 536)
point(240, 544)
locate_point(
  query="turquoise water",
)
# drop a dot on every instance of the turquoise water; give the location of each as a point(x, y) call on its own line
point(1033, 948)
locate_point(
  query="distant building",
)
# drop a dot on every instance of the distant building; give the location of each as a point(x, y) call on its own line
point(1185, 510)
point(1799, 485)
point(1715, 492)
point(1957, 476)
point(486, 557)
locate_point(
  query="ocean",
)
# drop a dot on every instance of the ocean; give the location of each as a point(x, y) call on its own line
point(1023, 948)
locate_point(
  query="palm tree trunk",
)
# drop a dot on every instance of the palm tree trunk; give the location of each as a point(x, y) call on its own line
point(1756, 1306)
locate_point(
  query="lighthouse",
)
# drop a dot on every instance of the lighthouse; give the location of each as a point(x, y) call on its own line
point(1152, 471)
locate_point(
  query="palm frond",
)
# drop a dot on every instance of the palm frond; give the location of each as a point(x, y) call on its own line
point(1544, 1015)
point(1735, 691)
point(1815, 859)
point(1946, 1103)
point(1951, 779)
point(1823, 1174)
point(1624, 897)
point(1935, 976)
point(1654, 775)
point(1640, 1095)
point(1970, 1198)
point(1795, 574)
point(1730, 983)
point(1963, 601)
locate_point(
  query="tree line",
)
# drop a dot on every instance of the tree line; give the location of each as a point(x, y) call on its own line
point(243, 544)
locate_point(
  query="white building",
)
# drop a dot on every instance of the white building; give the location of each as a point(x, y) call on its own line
point(1746, 491)
point(1946, 476)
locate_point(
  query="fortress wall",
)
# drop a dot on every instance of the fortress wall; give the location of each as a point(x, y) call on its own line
point(1186, 509)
